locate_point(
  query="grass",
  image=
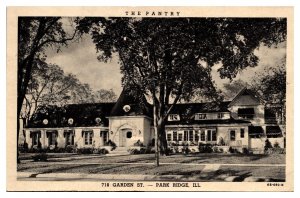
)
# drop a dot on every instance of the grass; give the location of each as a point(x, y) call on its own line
point(190, 165)
point(201, 158)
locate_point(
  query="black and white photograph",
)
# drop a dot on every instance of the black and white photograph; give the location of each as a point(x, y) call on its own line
point(152, 99)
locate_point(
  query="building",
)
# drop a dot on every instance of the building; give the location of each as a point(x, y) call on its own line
point(244, 122)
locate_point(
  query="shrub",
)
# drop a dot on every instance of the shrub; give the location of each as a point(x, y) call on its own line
point(70, 149)
point(138, 143)
point(215, 149)
point(85, 151)
point(24, 148)
point(143, 151)
point(103, 151)
point(40, 157)
point(276, 145)
point(221, 142)
point(232, 150)
point(111, 143)
point(205, 148)
point(245, 151)
point(186, 150)
point(133, 151)
point(267, 144)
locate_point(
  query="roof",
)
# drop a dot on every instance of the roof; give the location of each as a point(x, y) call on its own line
point(205, 122)
point(137, 105)
point(72, 115)
point(95, 114)
point(243, 92)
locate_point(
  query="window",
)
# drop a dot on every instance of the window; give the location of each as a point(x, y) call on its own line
point(242, 133)
point(232, 135)
point(174, 135)
point(211, 135)
point(214, 135)
point(88, 137)
point(105, 135)
point(129, 134)
point(69, 138)
point(191, 136)
point(202, 136)
point(196, 136)
point(35, 138)
point(220, 115)
point(246, 113)
point(169, 137)
point(179, 136)
point(173, 117)
point(185, 137)
point(52, 138)
point(201, 116)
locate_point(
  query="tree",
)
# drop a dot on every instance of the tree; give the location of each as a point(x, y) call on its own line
point(170, 60)
point(271, 84)
point(35, 34)
point(104, 95)
point(49, 85)
point(231, 89)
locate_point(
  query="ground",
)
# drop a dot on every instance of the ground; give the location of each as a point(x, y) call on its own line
point(198, 167)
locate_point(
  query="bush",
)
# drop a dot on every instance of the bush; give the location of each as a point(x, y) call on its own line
point(232, 150)
point(40, 157)
point(221, 142)
point(276, 145)
point(205, 148)
point(186, 150)
point(70, 149)
point(85, 151)
point(268, 144)
point(275, 151)
point(133, 151)
point(103, 151)
point(24, 148)
point(138, 143)
point(111, 143)
point(245, 151)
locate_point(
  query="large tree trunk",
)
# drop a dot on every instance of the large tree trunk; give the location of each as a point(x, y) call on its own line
point(162, 138)
point(161, 146)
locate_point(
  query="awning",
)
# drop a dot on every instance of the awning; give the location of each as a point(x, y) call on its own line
point(248, 111)
point(256, 130)
point(273, 130)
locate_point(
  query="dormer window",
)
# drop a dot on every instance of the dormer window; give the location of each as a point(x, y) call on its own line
point(200, 116)
point(246, 113)
point(220, 115)
point(173, 117)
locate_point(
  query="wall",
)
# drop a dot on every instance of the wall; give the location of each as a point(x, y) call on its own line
point(259, 143)
point(246, 100)
point(78, 138)
point(224, 132)
point(136, 124)
point(259, 116)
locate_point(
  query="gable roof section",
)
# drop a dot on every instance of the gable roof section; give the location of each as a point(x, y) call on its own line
point(245, 92)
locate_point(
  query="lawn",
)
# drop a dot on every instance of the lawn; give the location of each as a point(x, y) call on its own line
point(201, 158)
point(189, 165)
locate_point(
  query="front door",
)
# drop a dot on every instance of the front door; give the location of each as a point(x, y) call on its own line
point(125, 139)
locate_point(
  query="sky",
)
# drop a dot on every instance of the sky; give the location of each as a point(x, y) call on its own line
point(80, 58)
